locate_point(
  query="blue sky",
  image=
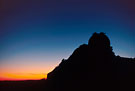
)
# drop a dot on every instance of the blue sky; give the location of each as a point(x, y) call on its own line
point(46, 31)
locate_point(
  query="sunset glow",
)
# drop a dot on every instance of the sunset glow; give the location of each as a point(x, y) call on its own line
point(36, 71)
point(35, 35)
point(11, 76)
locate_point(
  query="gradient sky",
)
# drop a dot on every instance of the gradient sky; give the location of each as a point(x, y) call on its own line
point(35, 35)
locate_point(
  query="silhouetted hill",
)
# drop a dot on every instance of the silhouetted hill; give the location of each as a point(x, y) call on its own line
point(93, 66)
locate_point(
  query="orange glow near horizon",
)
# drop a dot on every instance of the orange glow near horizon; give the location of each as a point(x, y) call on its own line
point(35, 71)
point(25, 75)
point(9, 77)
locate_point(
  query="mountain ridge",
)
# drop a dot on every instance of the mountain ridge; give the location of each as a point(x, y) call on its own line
point(93, 64)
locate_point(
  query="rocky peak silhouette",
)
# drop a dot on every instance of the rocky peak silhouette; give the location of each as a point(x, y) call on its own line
point(91, 65)
point(99, 45)
point(99, 40)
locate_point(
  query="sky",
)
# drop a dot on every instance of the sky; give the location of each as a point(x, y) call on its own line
point(35, 35)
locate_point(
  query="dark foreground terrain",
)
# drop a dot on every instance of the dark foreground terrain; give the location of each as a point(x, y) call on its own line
point(31, 85)
point(91, 67)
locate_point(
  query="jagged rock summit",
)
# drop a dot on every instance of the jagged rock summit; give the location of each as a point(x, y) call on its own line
point(93, 65)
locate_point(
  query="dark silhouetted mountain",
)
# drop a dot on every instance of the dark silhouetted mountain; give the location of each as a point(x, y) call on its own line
point(93, 66)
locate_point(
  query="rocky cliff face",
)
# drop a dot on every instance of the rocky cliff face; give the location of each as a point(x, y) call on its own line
point(92, 66)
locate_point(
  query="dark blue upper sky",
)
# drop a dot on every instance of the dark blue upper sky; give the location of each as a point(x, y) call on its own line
point(50, 30)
